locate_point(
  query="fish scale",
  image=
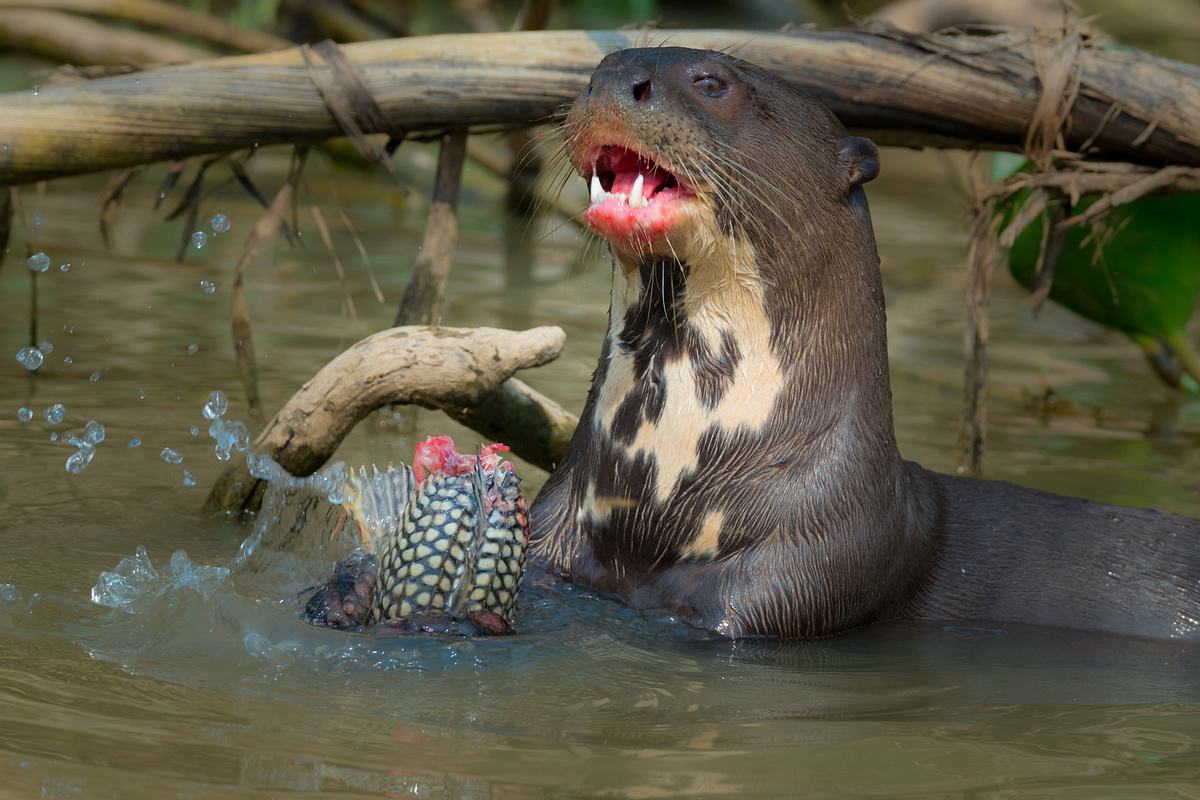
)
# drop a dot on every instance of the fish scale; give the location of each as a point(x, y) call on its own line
point(424, 563)
point(501, 559)
point(439, 545)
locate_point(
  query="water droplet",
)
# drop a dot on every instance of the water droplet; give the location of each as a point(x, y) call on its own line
point(141, 394)
point(54, 436)
point(77, 462)
point(192, 348)
point(36, 90)
point(46, 347)
point(216, 406)
point(95, 376)
point(199, 239)
point(208, 286)
point(219, 223)
point(195, 430)
point(37, 220)
point(94, 431)
point(171, 456)
point(55, 414)
point(24, 414)
point(38, 262)
point(68, 360)
point(64, 267)
point(188, 480)
point(30, 358)
point(135, 443)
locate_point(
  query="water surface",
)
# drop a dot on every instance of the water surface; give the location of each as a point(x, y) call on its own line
point(209, 687)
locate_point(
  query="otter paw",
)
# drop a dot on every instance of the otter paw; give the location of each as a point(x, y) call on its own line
point(347, 599)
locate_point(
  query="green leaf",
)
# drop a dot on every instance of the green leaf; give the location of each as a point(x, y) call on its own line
point(1137, 269)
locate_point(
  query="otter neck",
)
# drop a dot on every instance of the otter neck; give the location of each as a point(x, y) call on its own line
point(800, 371)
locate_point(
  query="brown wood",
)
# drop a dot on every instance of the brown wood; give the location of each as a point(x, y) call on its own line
point(537, 428)
point(164, 16)
point(904, 89)
point(426, 290)
point(78, 40)
point(446, 368)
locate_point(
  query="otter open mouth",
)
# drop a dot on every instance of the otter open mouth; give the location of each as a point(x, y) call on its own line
point(632, 197)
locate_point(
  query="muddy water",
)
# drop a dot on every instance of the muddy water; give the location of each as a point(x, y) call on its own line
point(205, 685)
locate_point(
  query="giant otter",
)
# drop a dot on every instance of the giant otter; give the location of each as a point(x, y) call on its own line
point(735, 460)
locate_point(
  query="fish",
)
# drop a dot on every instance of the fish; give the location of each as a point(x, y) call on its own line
point(443, 545)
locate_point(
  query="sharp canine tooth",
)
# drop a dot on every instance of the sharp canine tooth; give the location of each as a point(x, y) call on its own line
point(597, 189)
point(635, 194)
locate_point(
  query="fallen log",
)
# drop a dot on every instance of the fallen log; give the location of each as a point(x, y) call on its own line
point(81, 41)
point(454, 369)
point(898, 88)
point(164, 16)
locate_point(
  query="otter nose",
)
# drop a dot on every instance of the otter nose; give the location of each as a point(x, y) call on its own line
point(640, 85)
point(630, 85)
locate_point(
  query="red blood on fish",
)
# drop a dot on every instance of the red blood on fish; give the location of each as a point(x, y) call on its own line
point(438, 455)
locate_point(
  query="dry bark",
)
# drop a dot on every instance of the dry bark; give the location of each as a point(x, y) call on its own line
point(447, 368)
point(78, 40)
point(935, 90)
point(537, 428)
point(164, 16)
point(426, 290)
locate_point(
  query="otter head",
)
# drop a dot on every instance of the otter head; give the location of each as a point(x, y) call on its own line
point(682, 148)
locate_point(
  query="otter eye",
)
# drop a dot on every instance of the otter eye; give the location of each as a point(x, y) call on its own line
point(710, 85)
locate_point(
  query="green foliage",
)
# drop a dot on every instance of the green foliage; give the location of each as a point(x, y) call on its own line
point(1136, 270)
point(591, 15)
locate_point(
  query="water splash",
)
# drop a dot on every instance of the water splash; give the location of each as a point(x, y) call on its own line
point(30, 358)
point(192, 349)
point(94, 377)
point(85, 446)
point(228, 435)
point(188, 479)
point(219, 223)
point(199, 239)
point(24, 414)
point(38, 262)
point(134, 583)
point(46, 348)
point(171, 456)
point(78, 461)
point(94, 431)
point(134, 443)
point(216, 406)
point(55, 414)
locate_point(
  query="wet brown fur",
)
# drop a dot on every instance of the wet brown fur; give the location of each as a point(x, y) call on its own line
point(736, 460)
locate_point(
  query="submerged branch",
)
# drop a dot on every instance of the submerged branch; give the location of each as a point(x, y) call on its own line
point(454, 369)
point(426, 290)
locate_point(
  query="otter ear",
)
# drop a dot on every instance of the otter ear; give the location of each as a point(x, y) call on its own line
point(860, 159)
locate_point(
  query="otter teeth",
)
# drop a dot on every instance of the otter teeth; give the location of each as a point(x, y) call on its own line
point(635, 198)
point(635, 194)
